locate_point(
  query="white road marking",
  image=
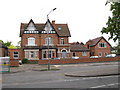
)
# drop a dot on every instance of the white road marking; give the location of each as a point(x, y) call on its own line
point(99, 77)
point(105, 85)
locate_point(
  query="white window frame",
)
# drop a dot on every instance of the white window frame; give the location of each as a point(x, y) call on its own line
point(31, 41)
point(48, 40)
point(26, 54)
point(62, 42)
point(15, 54)
point(102, 45)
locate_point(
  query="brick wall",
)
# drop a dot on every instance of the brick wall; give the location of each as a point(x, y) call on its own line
point(82, 60)
point(14, 63)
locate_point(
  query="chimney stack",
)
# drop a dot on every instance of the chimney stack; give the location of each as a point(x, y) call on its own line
point(53, 22)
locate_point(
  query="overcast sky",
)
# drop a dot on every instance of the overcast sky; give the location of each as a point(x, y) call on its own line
point(85, 18)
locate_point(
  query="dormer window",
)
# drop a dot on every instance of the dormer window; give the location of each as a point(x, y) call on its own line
point(31, 27)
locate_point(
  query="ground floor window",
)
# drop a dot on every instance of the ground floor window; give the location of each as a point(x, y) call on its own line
point(16, 55)
point(51, 54)
point(32, 54)
point(105, 54)
point(44, 54)
point(74, 54)
point(100, 54)
point(84, 53)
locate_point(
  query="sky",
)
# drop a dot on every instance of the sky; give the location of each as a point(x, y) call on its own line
point(85, 18)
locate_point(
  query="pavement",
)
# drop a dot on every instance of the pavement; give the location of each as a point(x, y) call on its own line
point(83, 73)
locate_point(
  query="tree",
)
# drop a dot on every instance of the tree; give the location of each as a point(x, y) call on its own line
point(12, 47)
point(18, 44)
point(113, 24)
point(7, 44)
point(1, 41)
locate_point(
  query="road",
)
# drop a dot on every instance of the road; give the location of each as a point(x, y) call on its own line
point(57, 79)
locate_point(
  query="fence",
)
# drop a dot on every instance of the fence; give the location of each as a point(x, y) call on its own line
point(82, 60)
point(4, 64)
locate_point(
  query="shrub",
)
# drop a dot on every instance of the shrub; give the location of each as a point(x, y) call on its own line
point(24, 60)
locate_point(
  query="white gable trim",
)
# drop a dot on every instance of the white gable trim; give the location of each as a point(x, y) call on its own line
point(31, 27)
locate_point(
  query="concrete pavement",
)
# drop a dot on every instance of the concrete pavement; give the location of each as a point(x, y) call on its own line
point(94, 73)
point(98, 72)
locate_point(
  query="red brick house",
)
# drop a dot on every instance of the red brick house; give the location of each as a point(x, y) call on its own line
point(79, 50)
point(35, 40)
point(98, 47)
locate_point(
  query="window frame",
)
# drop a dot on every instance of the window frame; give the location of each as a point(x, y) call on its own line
point(62, 41)
point(15, 54)
point(31, 41)
point(84, 53)
point(48, 40)
point(102, 45)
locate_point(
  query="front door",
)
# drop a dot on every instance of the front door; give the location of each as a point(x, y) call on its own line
point(63, 53)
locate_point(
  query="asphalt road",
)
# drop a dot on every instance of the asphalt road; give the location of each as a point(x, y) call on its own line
point(57, 79)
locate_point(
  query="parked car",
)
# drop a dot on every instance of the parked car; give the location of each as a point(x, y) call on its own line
point(75, 57)
point(94, 57)
point(111, 55)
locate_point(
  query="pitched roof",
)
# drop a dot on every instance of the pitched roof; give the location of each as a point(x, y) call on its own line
point(63, 32)
point(78, 47)
point(95, 41)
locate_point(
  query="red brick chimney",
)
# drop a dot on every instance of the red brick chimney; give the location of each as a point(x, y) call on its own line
point(53, 22)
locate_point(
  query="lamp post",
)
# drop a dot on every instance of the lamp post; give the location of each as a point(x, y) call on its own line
point(48, 36)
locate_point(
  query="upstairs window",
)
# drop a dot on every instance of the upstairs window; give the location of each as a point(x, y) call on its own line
point(31, 41)
point(48, 40)
point(62, 41)
point(102, 45)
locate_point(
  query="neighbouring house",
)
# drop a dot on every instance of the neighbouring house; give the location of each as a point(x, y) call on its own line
point(79, 50)
point(3, 50)
point(35, 40)
point(98, 47)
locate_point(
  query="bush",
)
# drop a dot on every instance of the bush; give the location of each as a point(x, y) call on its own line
point(24, 60)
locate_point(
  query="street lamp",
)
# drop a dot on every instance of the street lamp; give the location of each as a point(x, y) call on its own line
point(48, 36)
